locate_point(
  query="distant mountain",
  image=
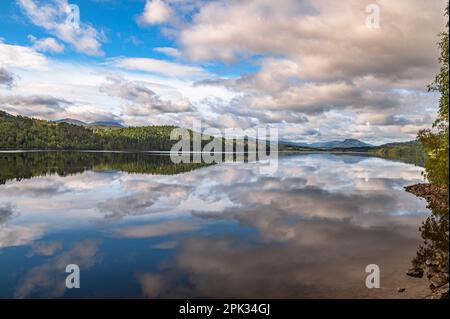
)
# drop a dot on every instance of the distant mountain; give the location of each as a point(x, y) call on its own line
point(81, 123)
point(71, 121)
point(347, 143)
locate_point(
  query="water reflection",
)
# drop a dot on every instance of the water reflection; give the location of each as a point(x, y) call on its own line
point(25, 165)
point(432, 255)
point(225, 230)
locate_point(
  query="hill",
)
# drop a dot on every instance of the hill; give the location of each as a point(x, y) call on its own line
point(106, 123)
point(71, 121)
point(81, 123)
point(347, 143)
point(410, 152)
point(18, 132)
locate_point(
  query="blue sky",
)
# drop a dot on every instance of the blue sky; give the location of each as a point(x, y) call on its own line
point(316, 70)
point(123, 36)
point(114, 18)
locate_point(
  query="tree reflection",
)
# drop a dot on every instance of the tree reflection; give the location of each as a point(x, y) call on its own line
point(432, 255)
point(18, 166)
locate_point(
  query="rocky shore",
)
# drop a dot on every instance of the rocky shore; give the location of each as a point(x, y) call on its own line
point(432, 256)
point(436, 196)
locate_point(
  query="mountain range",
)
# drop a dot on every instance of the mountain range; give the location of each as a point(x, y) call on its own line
point(81, 123)
point(18, 132)
point(347, 143)
point(327, 145)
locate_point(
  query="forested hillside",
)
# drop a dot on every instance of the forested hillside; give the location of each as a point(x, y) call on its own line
point(17, 132)
point(409, 152)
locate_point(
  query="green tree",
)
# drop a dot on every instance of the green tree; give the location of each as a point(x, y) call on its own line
point(435, 140)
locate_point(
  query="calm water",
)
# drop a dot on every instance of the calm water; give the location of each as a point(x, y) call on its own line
point(139, 226)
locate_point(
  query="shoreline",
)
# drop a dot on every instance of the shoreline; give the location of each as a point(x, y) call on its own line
point(432, 256)
point(436, 196)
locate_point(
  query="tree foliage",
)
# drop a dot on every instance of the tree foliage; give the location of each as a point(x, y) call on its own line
point(18, 132)
point(435, 140)
point(409, 152)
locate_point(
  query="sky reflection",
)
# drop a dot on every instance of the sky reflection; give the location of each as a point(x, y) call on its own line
point(225, 230)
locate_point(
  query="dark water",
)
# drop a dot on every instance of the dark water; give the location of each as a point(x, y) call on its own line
point(139, 226)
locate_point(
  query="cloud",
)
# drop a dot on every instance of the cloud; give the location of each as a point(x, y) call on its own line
point(44, 279)
point(162, 67)
point(147, 200)
point(45, 249)
point(316, 69)
point(90, 113)
point(82, 85)
point(318, 57)
point(6, 78)
point(318, 215)
point(329, 261)
point(173, 52)
point(46, 44)
point(19, 235)
point(34, 105)
point(136, 204)
point(158, 230)
point(38, 189)
point(21, 57)
point(152, 285)
point(307, 33)
point(142, 101)
point(52, 17)
point(6, 212)
point(155, 12)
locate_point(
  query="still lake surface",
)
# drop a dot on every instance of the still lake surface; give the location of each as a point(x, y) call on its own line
point(139, 226)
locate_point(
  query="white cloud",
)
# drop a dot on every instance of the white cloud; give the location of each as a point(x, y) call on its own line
point(173, 52)
point(88, 93)
point(21, 57)
point(157, 230)
point(52, 17)
point(155, 12)
point(19, 235)
point(326, 38)
point(46, 44)
point(318, 58)
point(161, 67)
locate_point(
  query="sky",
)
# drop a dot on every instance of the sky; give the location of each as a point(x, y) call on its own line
point(316, 70)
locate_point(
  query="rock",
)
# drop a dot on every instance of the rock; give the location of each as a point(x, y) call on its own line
point(439, 280)
point(440, 293)
point(444, 268)
point(415, 272)
point(436, 196)
point(401, 289)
